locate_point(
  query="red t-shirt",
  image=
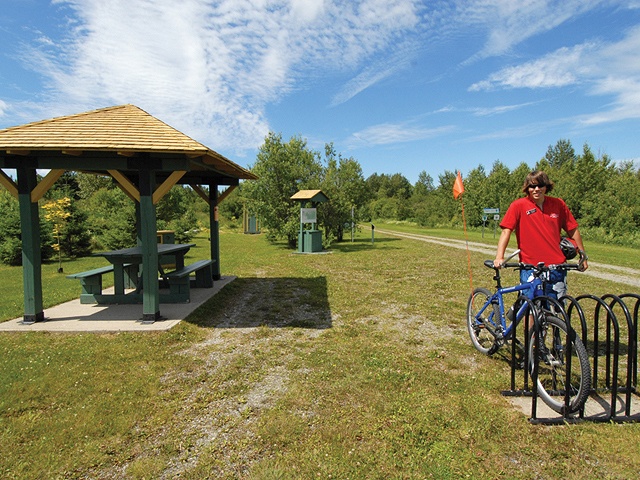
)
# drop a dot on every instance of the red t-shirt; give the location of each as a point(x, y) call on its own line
point(539, 230)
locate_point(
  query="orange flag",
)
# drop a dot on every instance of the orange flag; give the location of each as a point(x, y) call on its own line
point(458, 187)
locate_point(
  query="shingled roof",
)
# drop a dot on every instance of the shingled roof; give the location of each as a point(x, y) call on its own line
point(315, 196)
point(126, 131)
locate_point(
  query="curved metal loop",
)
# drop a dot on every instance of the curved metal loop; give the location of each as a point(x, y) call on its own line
point(631, 340)
point(573, 304)
point(611, 320)
point(636, 311)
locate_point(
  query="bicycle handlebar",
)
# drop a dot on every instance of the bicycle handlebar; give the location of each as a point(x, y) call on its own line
point(529, 266)
point(540, 267)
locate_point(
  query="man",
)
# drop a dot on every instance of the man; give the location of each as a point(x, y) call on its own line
point(538, 221)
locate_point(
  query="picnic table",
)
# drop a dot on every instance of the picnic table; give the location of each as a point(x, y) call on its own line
point(125, 264)
point(133, 256)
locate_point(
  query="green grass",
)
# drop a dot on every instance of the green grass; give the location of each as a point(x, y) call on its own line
point(354, 364)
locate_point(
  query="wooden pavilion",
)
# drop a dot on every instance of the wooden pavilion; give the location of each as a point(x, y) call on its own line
point(145, 156)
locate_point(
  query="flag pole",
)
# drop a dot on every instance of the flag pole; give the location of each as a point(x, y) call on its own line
point(458, 190)
point(466, 239)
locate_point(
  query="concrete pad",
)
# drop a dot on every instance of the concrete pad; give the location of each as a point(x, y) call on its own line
point(76, 317)
point(596, 409)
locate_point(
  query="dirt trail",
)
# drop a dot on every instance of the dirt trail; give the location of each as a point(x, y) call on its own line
point(623, 275)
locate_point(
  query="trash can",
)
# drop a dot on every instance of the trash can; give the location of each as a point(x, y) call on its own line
point(166, 236)
point(252, 225)
point(312, 241)
point(167, 262)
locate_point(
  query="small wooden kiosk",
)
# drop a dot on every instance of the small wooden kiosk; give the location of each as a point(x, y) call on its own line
point(309, 239)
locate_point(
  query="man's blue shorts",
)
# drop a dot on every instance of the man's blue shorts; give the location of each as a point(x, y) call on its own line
point(556, 282)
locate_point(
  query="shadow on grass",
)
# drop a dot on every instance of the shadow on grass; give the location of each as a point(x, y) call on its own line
point(267, 302)
point(359, 245)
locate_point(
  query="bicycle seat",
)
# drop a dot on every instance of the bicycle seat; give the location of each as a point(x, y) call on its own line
point(489, 264)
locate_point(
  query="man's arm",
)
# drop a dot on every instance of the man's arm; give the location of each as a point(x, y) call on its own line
point(503, 242)
point(574, 234)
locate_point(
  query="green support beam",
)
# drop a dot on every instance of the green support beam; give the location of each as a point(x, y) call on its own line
point(148, 237)
point(31, 256)
point(214, 227)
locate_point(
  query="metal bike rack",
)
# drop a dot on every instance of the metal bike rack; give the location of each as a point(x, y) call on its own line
point(606, 313)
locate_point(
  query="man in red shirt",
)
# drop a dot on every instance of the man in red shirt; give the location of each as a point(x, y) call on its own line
point(538, 221)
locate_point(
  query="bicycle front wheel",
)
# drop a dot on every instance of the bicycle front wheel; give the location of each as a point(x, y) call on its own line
point(481, 327)
point(552, 366)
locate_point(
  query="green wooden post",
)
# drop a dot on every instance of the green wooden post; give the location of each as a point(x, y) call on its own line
point(31, 256)
point(301, 237)
point(301, 234)
point(138, 224)
point(214, 231)
point(148, 228)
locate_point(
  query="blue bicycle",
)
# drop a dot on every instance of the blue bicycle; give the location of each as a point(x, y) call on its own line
point(490, 327)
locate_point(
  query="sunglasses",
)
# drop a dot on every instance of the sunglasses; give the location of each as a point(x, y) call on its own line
point(537, 185)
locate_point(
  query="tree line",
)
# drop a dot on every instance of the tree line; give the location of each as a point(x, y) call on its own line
point(604, 197)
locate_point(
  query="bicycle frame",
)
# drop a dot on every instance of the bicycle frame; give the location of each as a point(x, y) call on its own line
point(530, 290)
point(504, 330)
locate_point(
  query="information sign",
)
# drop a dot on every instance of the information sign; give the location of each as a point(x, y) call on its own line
point(308, 215)
point(491, 210)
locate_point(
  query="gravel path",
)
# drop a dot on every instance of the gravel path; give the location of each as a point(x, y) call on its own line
point(623, 275)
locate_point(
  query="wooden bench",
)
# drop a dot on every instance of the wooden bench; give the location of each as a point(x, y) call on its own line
point(91, 280)
point(180, 282)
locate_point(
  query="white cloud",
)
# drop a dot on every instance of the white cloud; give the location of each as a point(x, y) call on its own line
point(484, 111)
point(499, 109)
point(558, 69)
point(603, 69)
point(307, 10)
point(371, 76)
point(389, 133)
point(508, 22)
point(210, 68)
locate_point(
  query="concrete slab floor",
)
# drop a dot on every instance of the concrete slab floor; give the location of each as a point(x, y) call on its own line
point(596, 409)
point(75, 317)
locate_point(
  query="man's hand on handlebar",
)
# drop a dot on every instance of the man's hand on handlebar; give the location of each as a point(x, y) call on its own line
point(500, 261)
point(583, 264)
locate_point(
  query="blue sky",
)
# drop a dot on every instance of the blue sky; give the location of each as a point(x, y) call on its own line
point(402, 86)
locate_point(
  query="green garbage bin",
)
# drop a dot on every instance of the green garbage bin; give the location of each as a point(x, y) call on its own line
point(168, 262)
point(312, 241)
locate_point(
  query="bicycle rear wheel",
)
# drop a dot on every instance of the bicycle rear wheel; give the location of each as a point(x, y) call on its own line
point(481, 328)
point(552, 367)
